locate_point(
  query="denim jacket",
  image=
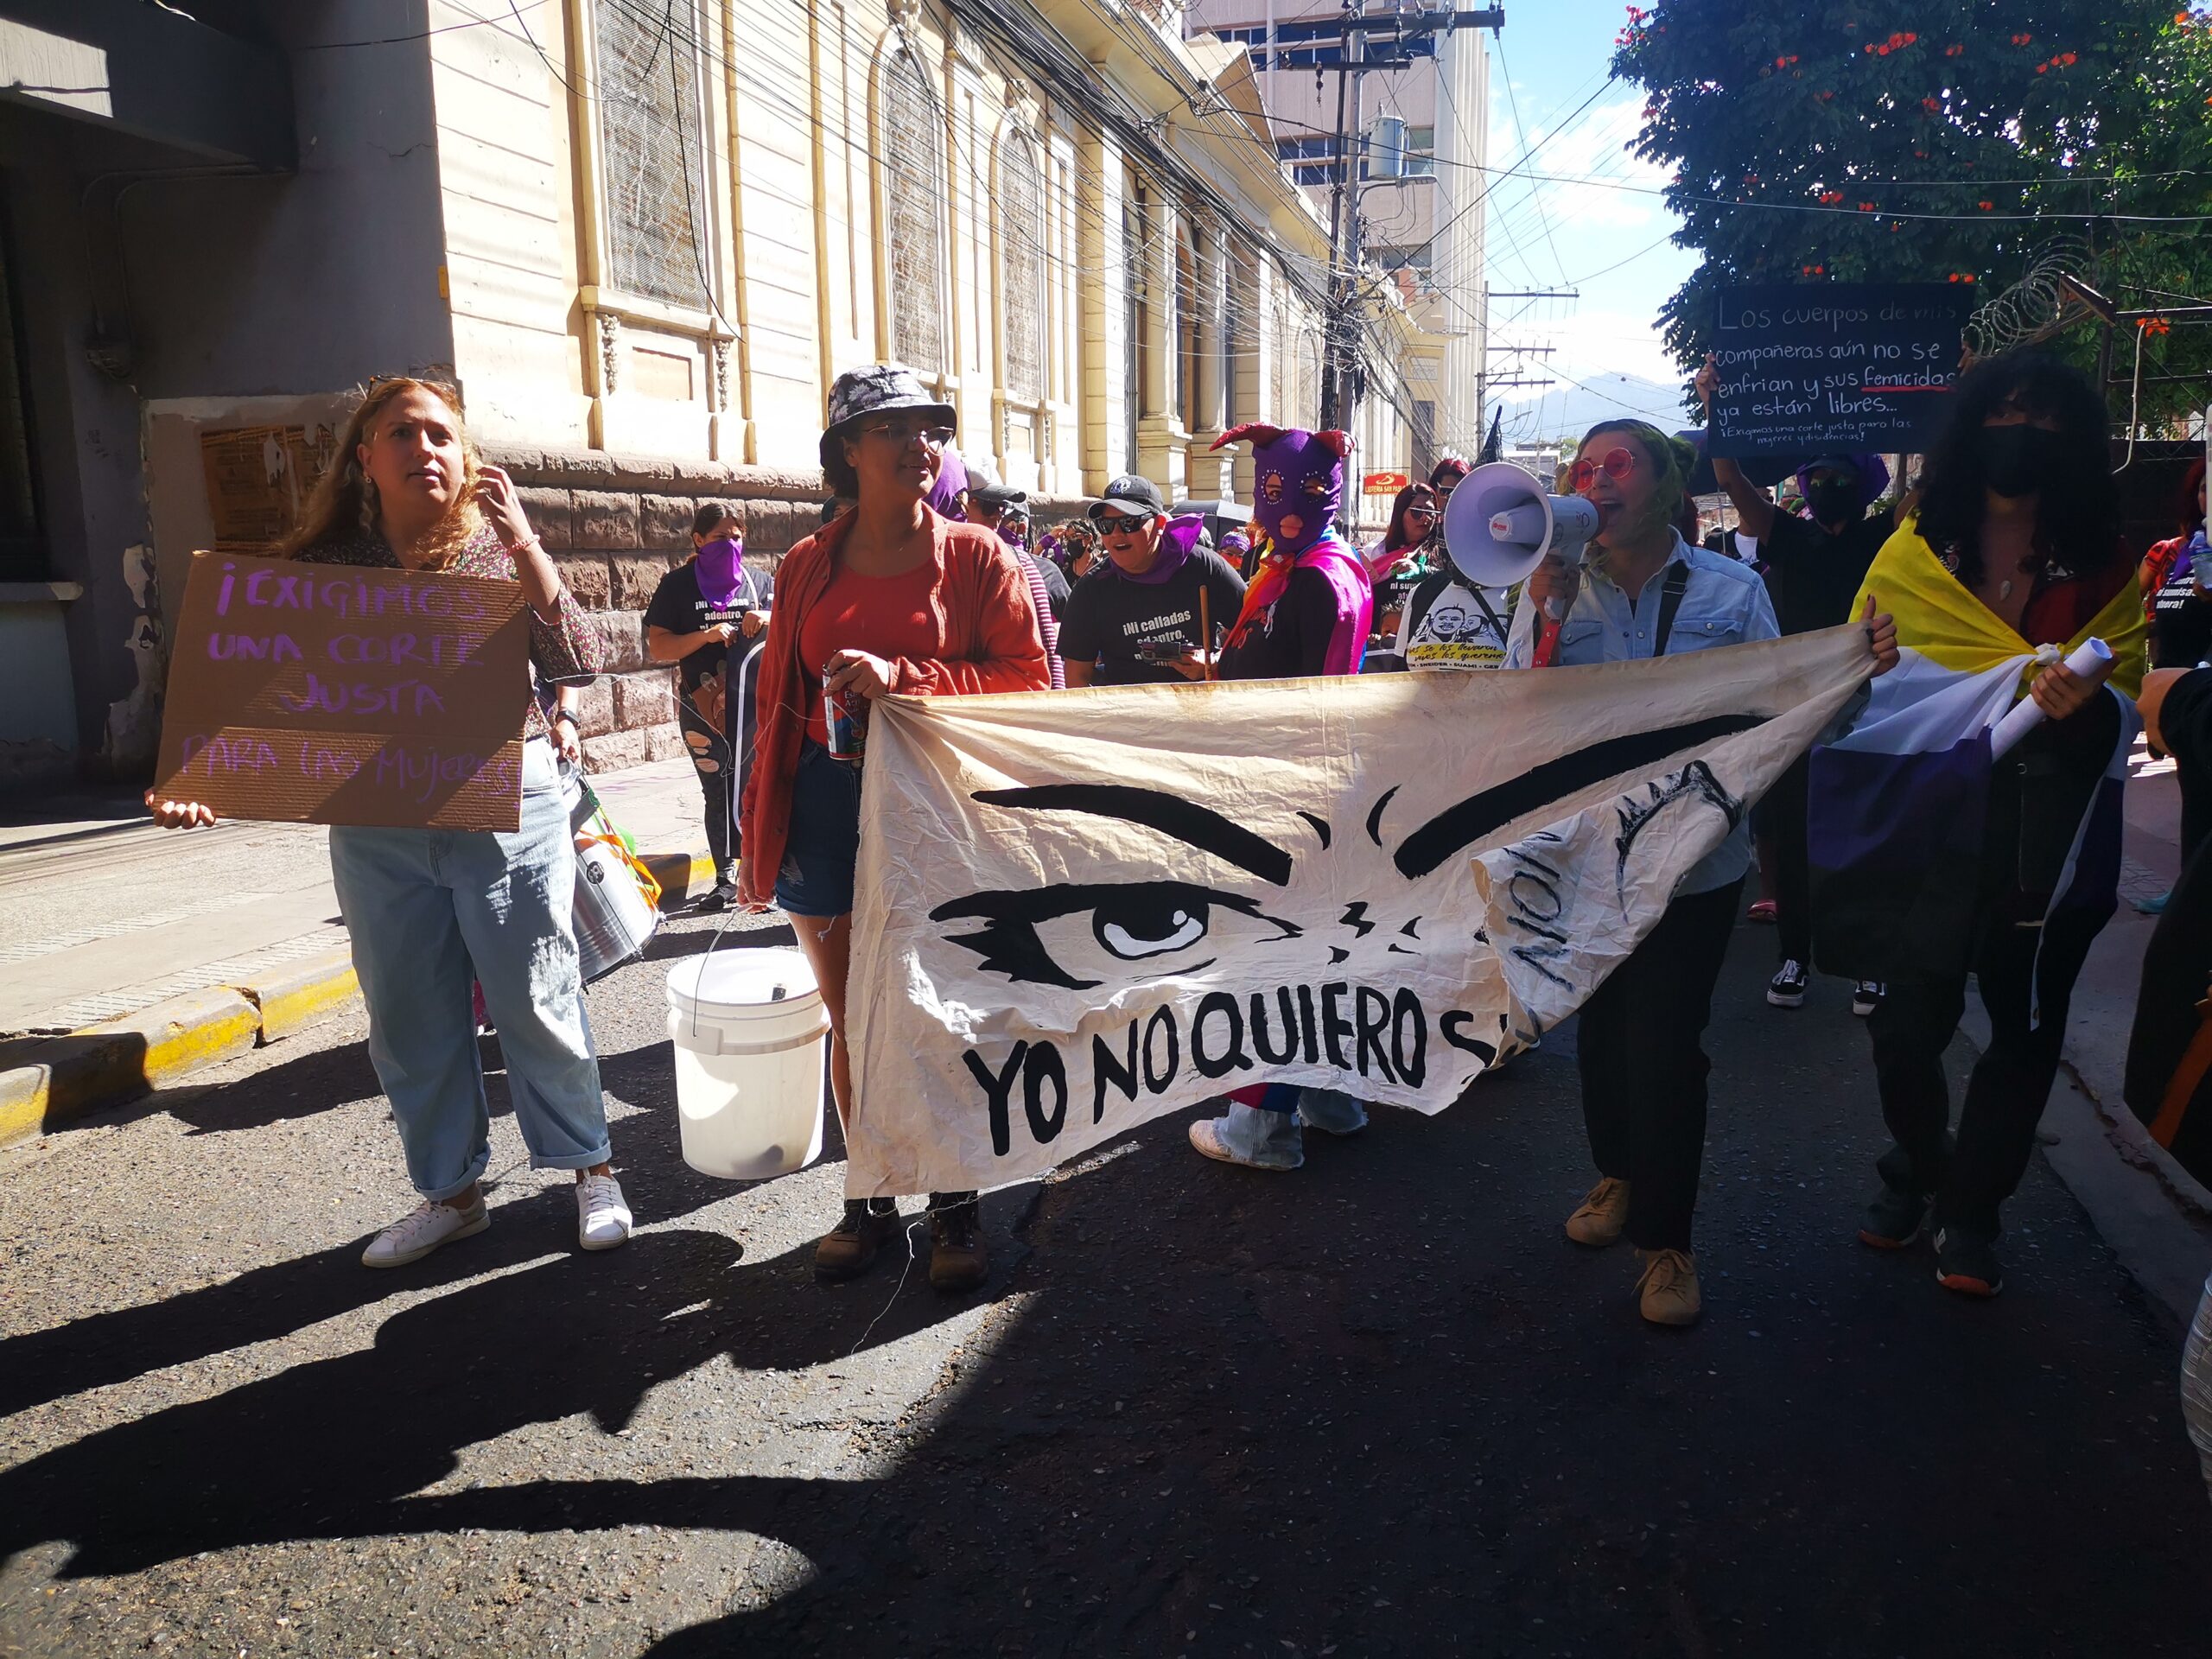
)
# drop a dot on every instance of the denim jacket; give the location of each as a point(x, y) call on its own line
point(1724, 603)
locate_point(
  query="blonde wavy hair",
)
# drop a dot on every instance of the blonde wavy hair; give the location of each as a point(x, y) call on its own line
point(344, 501)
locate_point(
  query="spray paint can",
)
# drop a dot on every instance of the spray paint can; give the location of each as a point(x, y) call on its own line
point(845, 715)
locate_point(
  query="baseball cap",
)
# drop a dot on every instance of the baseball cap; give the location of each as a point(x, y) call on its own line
point(999, 496)
point(1132, 492)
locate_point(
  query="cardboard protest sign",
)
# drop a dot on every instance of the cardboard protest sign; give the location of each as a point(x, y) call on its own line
point(1823, 368)
point(340, 693)
point(1078, 911)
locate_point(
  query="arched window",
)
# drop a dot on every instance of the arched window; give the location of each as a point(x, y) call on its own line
point(1232, 327)
point(913, 214)
point(1021, 233)
point(1137, 349)
point(652, 176)
point(1184, 331)
point(1283, 387)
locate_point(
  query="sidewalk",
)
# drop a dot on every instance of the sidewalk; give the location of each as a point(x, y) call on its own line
point(2155, 1216)
point(134, 954)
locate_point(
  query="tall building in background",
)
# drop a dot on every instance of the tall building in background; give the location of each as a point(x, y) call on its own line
point(1421, 150)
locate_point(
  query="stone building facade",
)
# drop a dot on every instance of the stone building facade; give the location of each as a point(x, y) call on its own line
point(644, 239)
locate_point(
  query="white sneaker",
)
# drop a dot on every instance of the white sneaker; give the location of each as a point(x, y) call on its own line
point(602, 1219)
point(422, 1229)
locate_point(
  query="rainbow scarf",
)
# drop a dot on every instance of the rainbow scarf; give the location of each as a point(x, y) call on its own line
point(1347, 575)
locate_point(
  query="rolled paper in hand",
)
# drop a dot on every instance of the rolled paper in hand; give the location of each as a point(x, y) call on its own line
point(2092, 659)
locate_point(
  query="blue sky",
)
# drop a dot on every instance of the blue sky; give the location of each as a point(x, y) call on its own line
point(1546, 235)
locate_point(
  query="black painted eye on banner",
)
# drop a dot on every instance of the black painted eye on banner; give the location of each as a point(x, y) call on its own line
point(1080, 937)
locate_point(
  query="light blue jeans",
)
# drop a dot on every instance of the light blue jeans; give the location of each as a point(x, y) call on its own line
point(428, 908)
point(1275, 1139)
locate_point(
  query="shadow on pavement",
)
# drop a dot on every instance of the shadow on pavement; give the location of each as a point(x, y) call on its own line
point(1377, 1406)
point(331, 1448)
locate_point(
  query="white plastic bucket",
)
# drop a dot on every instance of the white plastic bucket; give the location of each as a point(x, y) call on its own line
point(747, 1026)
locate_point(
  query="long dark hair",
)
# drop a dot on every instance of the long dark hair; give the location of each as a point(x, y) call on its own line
point(1396, 537)
point(2187, 513)
point(2077, 509)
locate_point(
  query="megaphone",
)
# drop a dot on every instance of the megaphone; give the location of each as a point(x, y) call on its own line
point(1499, 524)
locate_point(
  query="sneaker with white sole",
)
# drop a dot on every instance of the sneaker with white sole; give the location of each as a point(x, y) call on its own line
point(424, 1228)
point(1866, 997)
point(1787, 989)
point(603, 1217)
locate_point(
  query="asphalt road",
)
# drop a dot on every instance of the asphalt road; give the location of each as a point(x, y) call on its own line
point(1377, 1406)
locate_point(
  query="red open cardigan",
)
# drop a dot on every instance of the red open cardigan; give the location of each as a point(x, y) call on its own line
point(987, 640)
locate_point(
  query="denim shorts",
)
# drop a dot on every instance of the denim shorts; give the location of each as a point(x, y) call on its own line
point(816, 877)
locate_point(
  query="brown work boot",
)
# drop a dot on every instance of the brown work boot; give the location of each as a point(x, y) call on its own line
point(1668, 1292)
point(849, 1250)
point(957, 1258)
point(1602, 1214)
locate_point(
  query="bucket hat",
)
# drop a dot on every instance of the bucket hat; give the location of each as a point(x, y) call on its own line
point(877, 389)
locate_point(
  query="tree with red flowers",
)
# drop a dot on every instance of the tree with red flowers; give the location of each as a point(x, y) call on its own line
point(1932, 140)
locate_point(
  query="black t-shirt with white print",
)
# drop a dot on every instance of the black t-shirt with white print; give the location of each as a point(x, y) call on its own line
point(678, 606)
point(1108, 617)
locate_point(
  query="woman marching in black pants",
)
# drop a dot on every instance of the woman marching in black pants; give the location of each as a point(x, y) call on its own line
point(2019, 506)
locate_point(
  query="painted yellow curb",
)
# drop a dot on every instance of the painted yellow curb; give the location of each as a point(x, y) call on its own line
point(306, 995)
point(680, 875)
point(23, 1090)
point(45, 1084)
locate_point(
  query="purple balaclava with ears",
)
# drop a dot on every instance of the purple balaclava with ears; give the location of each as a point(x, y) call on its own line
point(1296, 474)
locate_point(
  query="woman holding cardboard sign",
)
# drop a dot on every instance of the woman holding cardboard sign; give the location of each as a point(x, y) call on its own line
point(427, 908)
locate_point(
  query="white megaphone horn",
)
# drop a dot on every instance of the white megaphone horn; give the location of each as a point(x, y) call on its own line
point(1500, 523)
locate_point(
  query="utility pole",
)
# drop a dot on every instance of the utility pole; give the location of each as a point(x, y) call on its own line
point(1483, 385)
point(1340, 333)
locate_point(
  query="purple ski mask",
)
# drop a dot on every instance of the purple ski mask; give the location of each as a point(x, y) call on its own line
point(1298, 478)
point(720, 570)
point(951, 483)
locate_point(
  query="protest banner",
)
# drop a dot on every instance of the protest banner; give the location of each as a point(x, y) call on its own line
point(341, 693)
point(1079, 911)
point(1823, 368)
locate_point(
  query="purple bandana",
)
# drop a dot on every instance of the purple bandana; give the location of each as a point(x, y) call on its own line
point(1177, 540)
point(721, 570)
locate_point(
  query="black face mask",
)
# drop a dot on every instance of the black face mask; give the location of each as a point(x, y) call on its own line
point(1833, 501)
point(2017, 459)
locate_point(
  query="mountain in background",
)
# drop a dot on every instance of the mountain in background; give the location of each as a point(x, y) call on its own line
point(1565, 409)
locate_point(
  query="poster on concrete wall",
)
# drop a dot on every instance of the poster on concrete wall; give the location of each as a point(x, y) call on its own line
point(1824, 368)
point(332, 694)
point(259, 478)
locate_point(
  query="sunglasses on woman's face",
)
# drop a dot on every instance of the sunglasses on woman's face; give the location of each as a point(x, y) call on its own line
point(902, 432)
point(1114, 524)
point(1614, 463)
point(1421, 512)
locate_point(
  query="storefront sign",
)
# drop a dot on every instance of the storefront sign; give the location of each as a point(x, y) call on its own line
point(1383, 483)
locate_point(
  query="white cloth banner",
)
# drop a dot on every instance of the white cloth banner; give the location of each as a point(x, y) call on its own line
point(1078, 909)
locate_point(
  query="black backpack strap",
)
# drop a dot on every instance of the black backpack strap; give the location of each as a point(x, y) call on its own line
point(1670, 600)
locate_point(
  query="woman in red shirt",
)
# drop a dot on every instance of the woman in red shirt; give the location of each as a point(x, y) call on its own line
point(888, 597)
